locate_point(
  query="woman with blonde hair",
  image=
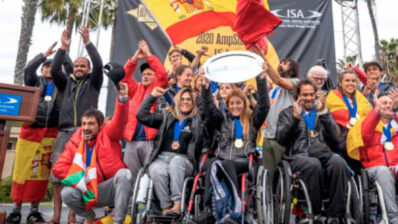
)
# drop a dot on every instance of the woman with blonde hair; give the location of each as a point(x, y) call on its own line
point(238, 128)
point(177, 145)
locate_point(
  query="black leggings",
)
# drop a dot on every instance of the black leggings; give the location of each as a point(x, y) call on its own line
point(233, 169)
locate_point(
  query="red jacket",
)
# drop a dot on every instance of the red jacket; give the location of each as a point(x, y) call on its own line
point(137, 93)
point(108, 147)
point(373, 152)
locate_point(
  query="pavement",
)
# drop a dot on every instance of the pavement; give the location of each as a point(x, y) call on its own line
point(46, 208)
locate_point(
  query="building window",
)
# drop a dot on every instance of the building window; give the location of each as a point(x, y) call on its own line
point(9, 146)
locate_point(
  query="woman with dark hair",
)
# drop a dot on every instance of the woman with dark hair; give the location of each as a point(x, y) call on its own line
point(177, 145)
point(347, 106)
point(238, 127)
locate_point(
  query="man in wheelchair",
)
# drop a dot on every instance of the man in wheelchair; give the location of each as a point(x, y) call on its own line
point(375, 143)
point(308, 130)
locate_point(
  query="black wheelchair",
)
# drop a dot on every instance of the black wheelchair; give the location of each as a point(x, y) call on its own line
point(371, 198)
point(291, 198)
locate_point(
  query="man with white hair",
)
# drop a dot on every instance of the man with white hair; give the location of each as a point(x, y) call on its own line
point(317, 75)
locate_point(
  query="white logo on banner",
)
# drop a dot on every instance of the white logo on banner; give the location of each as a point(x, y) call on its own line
point(298, 18)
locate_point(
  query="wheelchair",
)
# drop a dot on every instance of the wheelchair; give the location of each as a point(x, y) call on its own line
point(371, 196)
point(292, 198)
point(144, 205)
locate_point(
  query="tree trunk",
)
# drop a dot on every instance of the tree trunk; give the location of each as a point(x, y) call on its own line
point(71, 21)
point(374, 27)
point(27, 22)
point(111, 93)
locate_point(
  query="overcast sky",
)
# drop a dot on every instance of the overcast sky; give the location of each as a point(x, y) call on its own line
point(44, 34)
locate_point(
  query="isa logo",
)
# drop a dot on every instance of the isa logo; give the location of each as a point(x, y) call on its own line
point(10, 104)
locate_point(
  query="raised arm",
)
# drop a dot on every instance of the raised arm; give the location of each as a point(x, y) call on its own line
point(262, 107)
point(116, 127)
point(97, 76)
point(277, 79)
point(211, 112)
point(30, 75)
point(144, 114)
point(156, 65)
point(57, 74)
point(196, 61)
point(29, 72)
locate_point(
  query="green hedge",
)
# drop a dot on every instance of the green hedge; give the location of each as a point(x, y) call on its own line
point(5, 191)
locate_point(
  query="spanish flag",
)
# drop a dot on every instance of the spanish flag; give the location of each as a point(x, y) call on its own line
point(32, 164)
point(183, 19)
point(355, 141)
point(336, 105)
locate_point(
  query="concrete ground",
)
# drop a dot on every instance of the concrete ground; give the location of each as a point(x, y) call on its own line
point(46, 209)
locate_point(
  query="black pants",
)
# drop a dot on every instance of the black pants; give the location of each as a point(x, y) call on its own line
point(233, 170)
point(331, 172)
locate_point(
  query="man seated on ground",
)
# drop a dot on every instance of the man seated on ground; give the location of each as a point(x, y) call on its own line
point(91, 167)
point(378, 148)
point(304, 129)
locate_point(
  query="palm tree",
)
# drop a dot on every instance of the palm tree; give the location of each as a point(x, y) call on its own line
point(27, 22)
point(341, 62)
point(370, 4)
point(389, 57)
point(69, 13)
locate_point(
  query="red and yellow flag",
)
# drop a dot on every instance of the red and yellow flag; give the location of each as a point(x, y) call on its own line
point(32, 165)
point(183, 19)
point(336, 105)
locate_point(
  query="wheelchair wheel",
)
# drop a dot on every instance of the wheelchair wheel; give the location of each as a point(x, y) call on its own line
point(136, 216)
point(264, 197)
point(353, 203)
point(282, 196)
point(365, 196)
point(382, 204)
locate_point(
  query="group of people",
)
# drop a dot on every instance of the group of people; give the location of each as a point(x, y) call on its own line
point(171, 118)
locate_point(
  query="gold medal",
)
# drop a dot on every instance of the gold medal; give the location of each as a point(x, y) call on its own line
point(353, 120)
point(313, 133)
point(388, 145)
point(238, 143)
point(48, 98)
point(175, 145)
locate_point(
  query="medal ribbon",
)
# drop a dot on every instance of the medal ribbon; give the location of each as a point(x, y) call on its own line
point(238, 129)
point(309, 120)
point(387, 132)
point(49, 88)
point(353, 109)
point(177, 129)
point(89, 152)
point(222, 105)
point(276, 90)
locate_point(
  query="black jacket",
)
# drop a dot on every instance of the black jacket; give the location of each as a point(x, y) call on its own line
point(163, 121)
point(79, 94)
point(225, 123)
point(47, 112)
point(293, 133)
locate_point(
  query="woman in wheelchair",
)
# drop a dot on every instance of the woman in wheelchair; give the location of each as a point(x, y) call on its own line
point(378, 148)
point(177, 146)
point(347, 106)
point(238, 128)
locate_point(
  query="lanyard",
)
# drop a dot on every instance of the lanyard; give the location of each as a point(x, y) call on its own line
point(169, 100)
point(238, 129)
point(177, 88)
point(387, 132)
point(353, 109)
point(177, 129)
point(213, 86)
point(223, 106)
point(276, 90)
point(49, 88)
point(309, 120)
point(89, 153)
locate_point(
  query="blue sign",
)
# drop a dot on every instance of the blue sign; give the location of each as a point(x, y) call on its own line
point(10, 104)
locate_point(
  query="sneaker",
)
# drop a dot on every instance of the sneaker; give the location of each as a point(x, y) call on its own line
point(13, 218)
point(35, 217)
point(318, 219)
